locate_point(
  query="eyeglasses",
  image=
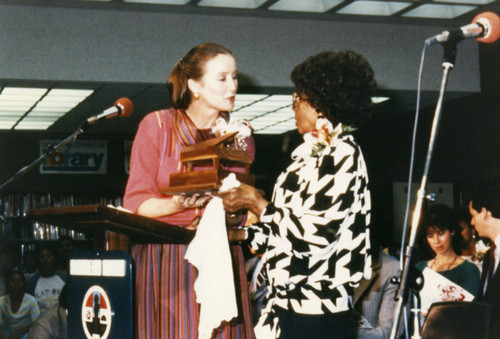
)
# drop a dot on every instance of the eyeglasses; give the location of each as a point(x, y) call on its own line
point(295, 100)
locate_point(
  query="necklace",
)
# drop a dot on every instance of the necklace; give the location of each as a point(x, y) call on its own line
point(449, 266)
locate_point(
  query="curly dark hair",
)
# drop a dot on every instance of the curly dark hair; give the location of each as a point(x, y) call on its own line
point(337, 84)
point(443, 218)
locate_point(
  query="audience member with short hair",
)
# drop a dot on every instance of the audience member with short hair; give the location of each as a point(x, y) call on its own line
point(65, 245)
point(29, 265)
point(6, 268)
point(473, 247)
point(485, 211)
point(46, 284)
point(374, 299)
point(18, 310)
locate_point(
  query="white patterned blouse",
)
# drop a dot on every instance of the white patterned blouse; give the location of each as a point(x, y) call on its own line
point(314, 235)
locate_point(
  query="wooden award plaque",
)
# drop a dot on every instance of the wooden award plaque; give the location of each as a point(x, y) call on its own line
point(206, 164)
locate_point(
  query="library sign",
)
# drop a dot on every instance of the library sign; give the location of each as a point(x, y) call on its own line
point(80, 157)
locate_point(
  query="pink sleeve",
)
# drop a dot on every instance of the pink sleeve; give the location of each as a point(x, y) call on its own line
point(144, 164)
point(251, 146)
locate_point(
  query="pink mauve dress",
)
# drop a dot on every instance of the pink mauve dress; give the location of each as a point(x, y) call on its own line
point(165, 298)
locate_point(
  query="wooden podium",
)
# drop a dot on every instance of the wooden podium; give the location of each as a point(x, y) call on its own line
point(110, 228)
point(113, 229)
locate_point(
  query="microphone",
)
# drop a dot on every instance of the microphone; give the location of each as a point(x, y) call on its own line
point(485, 27)
point(122, 107)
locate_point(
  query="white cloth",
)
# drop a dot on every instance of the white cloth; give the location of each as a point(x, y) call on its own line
point(209, 253)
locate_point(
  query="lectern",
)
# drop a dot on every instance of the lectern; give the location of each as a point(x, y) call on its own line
point(111, 228)
point(100, 289)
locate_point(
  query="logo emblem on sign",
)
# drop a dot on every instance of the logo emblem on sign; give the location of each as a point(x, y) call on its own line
point(96, 313)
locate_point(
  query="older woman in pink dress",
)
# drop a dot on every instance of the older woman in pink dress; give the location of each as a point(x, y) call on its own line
point(202, 88)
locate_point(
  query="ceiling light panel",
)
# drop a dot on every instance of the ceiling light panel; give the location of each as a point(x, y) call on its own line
point(33, 125)
point(160, 2)
point(6, 124)
point(284, 99)
point(252, 4)
point(314, 6)
point(380, 8)
point(15, 106)
point(437, 11)
point(247, 99)
point(38, 118)
point(46, 114)
point(38, 108)
point(24, 91)
point(274, 117)
point(264, 111)
point(10, 115)
point(16, 101)
point(470, 2)
point(378, 100)
point(276, 129)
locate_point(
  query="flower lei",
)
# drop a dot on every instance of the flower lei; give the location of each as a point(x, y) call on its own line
point(323, 136)
point(242, 126)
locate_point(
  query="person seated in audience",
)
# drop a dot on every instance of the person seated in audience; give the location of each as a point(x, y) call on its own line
point(485, 211)
point(473, 247)
point(373, 300)
point(441, 234)
point(53, 324)
point(18, 310)
point(6, 268)
point(65, 245)
point(257, 287)
point(29, 263)
point(47, 282)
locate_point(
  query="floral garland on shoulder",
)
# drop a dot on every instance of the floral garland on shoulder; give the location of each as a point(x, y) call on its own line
point(323, 137)
point(242, 126)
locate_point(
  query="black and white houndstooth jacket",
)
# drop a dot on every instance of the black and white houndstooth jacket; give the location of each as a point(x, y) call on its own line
point(314, 236)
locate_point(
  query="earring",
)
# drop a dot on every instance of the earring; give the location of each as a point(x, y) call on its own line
point(196, 95)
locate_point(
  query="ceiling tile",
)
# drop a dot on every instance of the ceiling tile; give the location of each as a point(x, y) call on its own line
point(437, 11)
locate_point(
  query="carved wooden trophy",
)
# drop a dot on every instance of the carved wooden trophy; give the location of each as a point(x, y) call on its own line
point(212, 160)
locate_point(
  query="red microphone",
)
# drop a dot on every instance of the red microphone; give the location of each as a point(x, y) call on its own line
point(491, 27)
point(122, 107)
point(485, 27)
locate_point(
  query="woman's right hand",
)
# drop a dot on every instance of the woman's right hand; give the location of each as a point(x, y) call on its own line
point(196, 200)
point(159, 207)
point(243, 197)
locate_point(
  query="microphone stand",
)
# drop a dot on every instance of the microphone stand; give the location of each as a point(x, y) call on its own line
point(50, 149)
point(401, 298)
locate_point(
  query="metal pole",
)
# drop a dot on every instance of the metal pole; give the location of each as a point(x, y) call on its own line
point(402, 295)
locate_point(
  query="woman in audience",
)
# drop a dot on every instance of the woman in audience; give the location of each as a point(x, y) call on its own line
point(6, 268)
point(46, 284)
point(441, 235)
point(18, 310)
